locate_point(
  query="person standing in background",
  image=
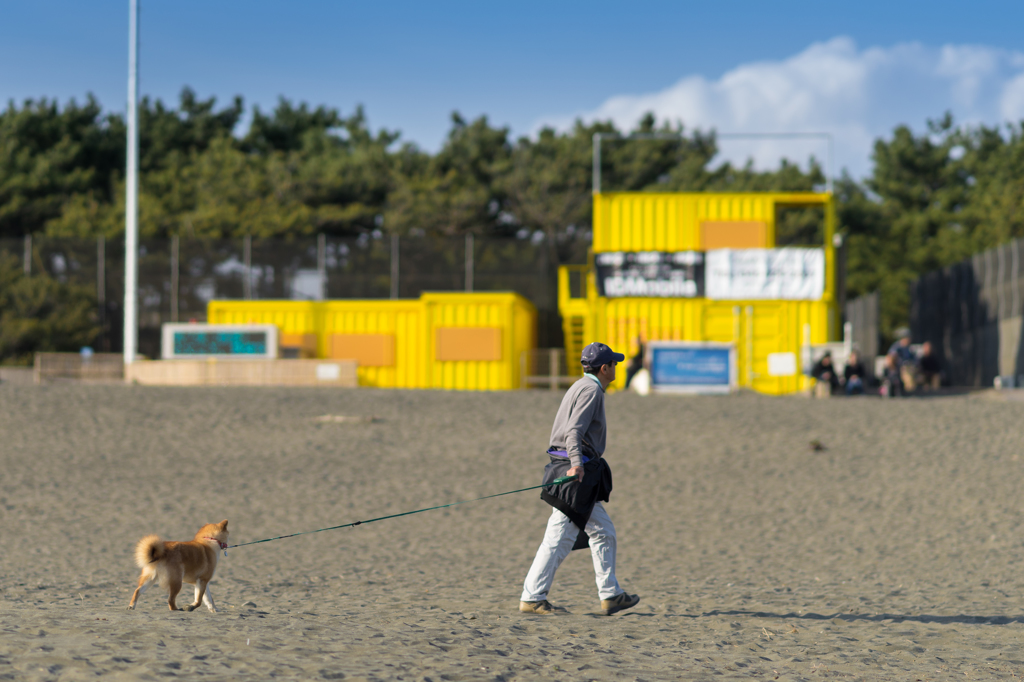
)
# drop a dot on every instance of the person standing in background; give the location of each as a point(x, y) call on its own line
point(636, 363)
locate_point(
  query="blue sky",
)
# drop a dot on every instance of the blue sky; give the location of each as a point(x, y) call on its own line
point(852, 69)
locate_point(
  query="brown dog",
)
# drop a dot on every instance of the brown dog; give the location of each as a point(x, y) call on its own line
point(173, 563)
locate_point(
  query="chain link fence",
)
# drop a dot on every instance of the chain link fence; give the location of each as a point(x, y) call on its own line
point(178, 277)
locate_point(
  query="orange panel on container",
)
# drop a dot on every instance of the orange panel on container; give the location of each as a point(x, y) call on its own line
point(468, 343)
point(369, 350)
point(750, 234)
point(303, 341)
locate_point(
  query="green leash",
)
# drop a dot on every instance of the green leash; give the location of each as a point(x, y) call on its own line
point(557, 481)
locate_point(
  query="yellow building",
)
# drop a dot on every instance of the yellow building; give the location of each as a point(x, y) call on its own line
point(762, 330)
point(467, 341)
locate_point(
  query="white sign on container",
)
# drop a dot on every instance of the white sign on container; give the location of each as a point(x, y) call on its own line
point(787, 274)
point(328, 372)
point(781, 364)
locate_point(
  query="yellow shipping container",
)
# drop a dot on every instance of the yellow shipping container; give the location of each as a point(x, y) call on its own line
point(699, 222)
point(464, 341)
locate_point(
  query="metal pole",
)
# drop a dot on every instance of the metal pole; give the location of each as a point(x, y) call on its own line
point(807, 356)
point(101, 288)
point(596, 181)
point(736, 335)
point(831, 170)
point(131, 218)
point(175, 269)
point(1015, 277)
point(750, 346)
point(28, 255)
point(247, 261)
point(469, 262)
point(1001, 259)
point(321, 264)
point(394, 266)
point(987, 290)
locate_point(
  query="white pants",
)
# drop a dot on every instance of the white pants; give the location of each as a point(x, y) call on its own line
point(559, 538)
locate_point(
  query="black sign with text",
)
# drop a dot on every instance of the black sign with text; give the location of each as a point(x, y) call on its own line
point(650, 274)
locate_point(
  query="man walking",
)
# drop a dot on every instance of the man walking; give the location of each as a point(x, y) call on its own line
point(578, 518)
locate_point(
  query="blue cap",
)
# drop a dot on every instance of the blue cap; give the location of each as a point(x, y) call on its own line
point(598, 354)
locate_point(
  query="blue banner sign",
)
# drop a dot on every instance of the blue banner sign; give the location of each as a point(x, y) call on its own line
point(194, 341)
point(220, 343)
point(692, 367)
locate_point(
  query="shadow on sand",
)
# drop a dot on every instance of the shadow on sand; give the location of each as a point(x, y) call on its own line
point(876, 617)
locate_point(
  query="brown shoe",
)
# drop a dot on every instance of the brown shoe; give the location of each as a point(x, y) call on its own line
point(619, 603)
point(540, 608)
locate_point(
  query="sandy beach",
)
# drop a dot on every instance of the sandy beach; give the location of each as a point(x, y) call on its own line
point(895, 552)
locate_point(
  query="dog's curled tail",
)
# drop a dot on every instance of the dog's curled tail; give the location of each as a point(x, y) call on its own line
point(149, 550)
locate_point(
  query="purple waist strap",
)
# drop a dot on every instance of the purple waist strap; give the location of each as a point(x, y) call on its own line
point(555, 452)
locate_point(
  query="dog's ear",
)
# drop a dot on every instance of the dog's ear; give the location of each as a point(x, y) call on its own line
point(223, 524)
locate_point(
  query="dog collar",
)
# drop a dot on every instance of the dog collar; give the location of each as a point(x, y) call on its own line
point(223, 545)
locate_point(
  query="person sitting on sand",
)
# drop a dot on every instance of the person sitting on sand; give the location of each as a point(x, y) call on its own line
point(854, 374)
point(892, 383)
point(825, 372)
point(905, 360)
point(929, 369)
point(578, 518)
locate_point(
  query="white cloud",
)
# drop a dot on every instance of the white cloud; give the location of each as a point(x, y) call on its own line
point(1011, 103)
point(833, 87)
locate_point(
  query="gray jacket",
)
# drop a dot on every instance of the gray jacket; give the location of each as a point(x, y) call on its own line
point(580, 426)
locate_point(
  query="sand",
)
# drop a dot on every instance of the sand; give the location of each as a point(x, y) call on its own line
point(893, 553)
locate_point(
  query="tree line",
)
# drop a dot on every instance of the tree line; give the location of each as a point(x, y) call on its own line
point(931, 199)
